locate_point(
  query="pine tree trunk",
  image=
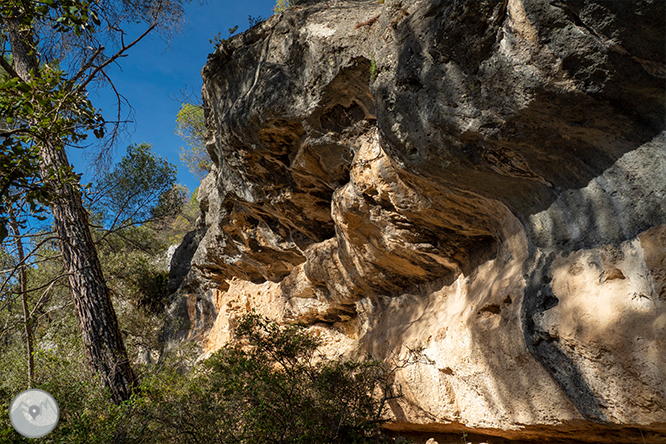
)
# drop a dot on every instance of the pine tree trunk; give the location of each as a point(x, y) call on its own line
point(97, 319)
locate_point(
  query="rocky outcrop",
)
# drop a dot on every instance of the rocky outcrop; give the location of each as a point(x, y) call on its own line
point(485, 180)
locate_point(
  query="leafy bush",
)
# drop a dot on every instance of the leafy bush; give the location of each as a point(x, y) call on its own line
point(281, 5)
point(87, 414)
point(269, 386)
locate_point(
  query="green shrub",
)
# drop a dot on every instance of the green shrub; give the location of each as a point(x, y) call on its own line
point(282, 5)
point(87, 414)
point(269, 386)
point(373, 70)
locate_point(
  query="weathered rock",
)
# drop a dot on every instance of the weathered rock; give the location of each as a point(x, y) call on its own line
point(485, 180)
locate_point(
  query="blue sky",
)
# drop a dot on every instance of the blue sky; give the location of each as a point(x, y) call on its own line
point(154, 72)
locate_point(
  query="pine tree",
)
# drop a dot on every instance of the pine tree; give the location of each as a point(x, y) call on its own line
point(45, 109)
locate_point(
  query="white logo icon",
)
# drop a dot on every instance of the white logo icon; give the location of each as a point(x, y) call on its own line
point(34, 413)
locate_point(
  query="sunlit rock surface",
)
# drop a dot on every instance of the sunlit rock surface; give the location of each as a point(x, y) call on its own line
point(486, 180)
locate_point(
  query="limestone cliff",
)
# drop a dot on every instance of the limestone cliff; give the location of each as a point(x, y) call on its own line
point(486, 180)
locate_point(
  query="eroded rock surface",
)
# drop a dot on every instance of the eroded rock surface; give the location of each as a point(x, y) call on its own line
point(486, 180)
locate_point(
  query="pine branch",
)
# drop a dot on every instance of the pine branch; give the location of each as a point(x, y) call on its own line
point(115, 57)
point(7, 67)
point(9, 133)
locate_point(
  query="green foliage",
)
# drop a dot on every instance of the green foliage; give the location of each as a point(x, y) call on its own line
point(86, 414)
point(138, 279)
point(373, 70)
point(191, 127)
point(282, 5)
point(271, 386)
point(65, 45)
point(139, 213)
point(33, 112)
point(129, 255)
point(129, 263)
point(45, 109)
point(172, 230)
point(140, 188)
point(217, 40)
point(135, 263)
point(77, 16)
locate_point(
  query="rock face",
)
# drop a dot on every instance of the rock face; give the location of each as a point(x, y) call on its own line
point(486, 180)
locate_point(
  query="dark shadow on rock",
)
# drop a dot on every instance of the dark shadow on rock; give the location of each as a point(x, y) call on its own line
point(538, 298)
point(617, 205)
point(477, 102)
point(182, 258)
